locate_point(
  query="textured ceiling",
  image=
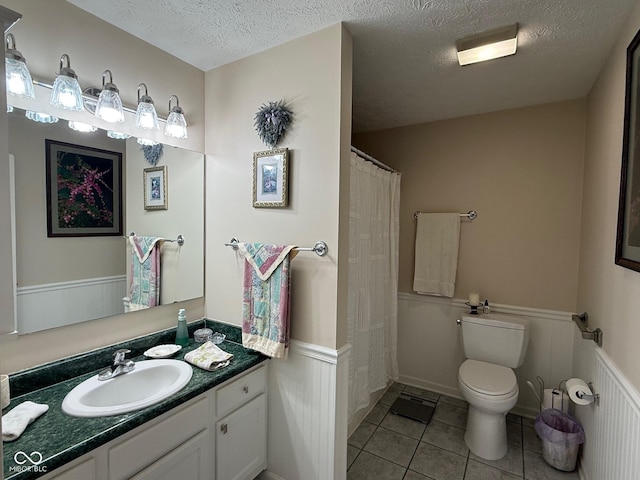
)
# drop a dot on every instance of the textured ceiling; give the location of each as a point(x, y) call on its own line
point(405, 68)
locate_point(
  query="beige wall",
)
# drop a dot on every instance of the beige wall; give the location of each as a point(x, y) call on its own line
point(48, 29)
point(521, 170)
point(306, 73)
point(609, 293)
point(41, 259)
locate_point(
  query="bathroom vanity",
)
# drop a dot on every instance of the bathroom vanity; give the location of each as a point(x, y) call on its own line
point(215, 427)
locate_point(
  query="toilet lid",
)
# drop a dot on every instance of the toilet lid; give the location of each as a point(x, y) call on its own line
point(487, 378)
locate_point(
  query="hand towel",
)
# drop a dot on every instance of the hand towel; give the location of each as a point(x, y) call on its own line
point(144, 288)
point(265, 300)
point(436, 255)
point(208, 356)
point(19, 418)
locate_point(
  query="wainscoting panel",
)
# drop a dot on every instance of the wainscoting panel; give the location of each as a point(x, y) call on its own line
point(612, 428)
point(56, 304)
point(430, 350)
point(307, 429)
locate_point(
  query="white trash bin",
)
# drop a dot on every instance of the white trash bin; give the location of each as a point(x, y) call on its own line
point(561, 436)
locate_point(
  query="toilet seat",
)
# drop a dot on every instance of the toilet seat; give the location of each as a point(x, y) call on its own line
point(488, 379)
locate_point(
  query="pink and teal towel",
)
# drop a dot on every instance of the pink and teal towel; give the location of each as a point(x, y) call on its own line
point(265, 302)
point(144, 289)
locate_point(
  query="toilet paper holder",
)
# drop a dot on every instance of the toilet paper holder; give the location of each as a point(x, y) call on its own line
point(595, 397)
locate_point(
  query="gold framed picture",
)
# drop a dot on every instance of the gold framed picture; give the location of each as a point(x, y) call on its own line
point(270, 178)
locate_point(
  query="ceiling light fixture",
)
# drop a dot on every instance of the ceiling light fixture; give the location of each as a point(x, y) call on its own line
point(497, 43)
point(66, 91)
point(19, 82)
point(109, 107)
point(146, 116)
point(176, 124)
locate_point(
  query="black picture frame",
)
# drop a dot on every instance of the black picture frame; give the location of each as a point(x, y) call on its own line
point(84, 190)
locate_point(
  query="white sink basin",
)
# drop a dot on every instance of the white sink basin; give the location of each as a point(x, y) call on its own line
point(150, 382)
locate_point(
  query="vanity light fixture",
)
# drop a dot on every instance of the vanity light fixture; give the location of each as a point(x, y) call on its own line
point(145, 142)
point(9, 108)
point(146, 116)
point(109, 107)
point(40, 117)
point(176, 124)
point(117, 135)
point(82, 127)
point(19, 82)
point(66, 91)
point(497, 43)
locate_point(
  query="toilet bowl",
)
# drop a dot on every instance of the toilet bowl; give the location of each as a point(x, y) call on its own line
point(493, 345)
point(491, 391)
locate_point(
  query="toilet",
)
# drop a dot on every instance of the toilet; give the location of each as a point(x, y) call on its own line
point(493, 345)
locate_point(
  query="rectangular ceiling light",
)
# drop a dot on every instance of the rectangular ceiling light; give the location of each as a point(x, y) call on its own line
point(497, 43)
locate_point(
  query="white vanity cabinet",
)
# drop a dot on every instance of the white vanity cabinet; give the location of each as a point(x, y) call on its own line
point(220, 434)
point(241, 431)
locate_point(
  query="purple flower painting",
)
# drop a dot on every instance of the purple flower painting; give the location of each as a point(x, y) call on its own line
point(83, 190)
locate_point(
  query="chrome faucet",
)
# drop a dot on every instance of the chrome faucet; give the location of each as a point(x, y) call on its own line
point(119, 367)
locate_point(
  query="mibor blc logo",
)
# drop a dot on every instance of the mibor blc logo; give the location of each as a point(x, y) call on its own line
point(28, 462)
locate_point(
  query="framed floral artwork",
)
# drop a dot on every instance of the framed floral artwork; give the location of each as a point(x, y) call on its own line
point(270, 178)
point(155, 188)
point(84, 190)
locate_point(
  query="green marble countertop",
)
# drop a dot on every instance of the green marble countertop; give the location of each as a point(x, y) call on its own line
point(61, 438)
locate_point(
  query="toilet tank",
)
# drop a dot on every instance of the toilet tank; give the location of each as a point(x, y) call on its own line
point(495, 338)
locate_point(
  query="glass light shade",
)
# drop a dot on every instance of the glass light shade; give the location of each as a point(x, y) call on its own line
point(67, 94)
point(19, 82)
point(109, 107)
point(117, 135)
point(40, 117)
point(146, 142)
point(146, 116)
point(176, 125)
point(9, 108)
point(82, 127)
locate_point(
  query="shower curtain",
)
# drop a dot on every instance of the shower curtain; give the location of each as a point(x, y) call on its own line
point(373, 280)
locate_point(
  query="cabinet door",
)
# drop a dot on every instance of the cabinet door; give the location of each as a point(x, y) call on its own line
point(241, 442)
point(190, 461)
point(83, 471)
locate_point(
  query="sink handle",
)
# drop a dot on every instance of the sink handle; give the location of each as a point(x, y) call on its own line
point(119, 355)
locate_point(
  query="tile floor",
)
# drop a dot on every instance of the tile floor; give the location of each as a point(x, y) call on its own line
point(389, 447)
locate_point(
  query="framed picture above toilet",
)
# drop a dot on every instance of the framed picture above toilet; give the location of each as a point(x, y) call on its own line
point(628, 234)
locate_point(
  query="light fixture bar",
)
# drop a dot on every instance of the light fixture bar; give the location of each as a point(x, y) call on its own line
point(497, 43)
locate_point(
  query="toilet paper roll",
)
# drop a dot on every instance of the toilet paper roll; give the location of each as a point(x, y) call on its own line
point(576, 387)
point(554, 398)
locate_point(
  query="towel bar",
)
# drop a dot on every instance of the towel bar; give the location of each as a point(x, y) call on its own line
point(179, 239)
point(587, 333)
point(320, 248)
point(471, 214)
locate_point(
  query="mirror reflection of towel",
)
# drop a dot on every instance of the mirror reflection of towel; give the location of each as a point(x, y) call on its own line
point(144, 289)
point(265, 303)
point(436, 255)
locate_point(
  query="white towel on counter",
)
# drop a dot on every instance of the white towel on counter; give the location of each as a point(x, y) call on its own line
point(19, 418)
point(208, 356)
point(436, 255)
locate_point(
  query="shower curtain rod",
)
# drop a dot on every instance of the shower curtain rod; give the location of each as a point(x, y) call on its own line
point(377, 163)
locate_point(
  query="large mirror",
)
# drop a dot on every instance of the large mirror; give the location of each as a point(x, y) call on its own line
point(68, 279)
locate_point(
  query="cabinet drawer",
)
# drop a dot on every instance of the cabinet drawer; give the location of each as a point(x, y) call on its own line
point(240, 391)
point(138, 451)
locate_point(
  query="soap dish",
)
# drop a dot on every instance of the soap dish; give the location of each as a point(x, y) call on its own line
point(162, 351)
point(218, 337)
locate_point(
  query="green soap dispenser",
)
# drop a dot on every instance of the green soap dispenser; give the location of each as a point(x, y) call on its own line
point(182, 333)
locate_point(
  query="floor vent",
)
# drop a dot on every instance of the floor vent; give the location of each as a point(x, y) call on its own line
point(413, 407)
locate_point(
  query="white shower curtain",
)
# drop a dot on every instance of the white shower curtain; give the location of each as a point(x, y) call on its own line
point(373, 280)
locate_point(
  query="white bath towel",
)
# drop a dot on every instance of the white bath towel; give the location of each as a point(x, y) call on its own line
point(15, 422)
point(436, 256)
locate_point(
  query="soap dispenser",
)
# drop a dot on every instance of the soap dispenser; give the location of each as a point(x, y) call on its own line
point(182, 333)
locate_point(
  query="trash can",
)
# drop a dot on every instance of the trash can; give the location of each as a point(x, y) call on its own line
point(561, 436)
